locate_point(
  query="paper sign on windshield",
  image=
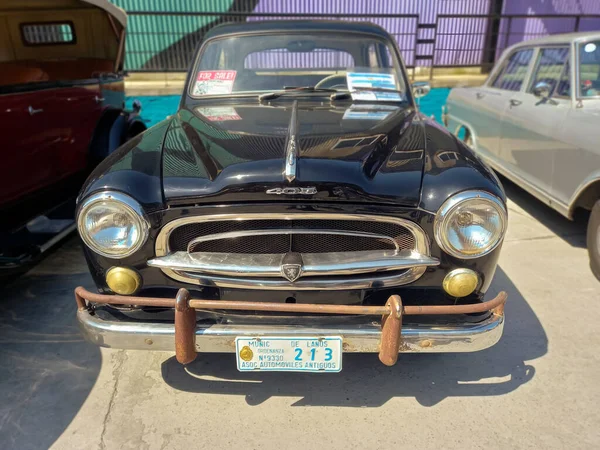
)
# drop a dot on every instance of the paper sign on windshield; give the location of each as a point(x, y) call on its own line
point(214, 82)
point(358, 80)
point(219, 113)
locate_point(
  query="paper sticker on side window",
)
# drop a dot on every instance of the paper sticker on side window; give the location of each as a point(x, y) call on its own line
point(214, 82)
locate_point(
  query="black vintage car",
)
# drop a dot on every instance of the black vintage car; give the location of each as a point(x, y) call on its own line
point(297, 206)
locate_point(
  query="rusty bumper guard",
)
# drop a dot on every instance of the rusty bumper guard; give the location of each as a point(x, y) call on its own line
point(388, 339)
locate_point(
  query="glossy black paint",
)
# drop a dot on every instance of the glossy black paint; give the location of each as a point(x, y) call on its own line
point(199, 163)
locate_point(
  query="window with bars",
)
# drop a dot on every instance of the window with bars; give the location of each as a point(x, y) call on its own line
point(48, 33)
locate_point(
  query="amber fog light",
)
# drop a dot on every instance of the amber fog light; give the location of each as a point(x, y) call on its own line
point(460, 282)
point(123, 281)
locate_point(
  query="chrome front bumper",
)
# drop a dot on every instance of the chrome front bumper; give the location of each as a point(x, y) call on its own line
point(360, 339)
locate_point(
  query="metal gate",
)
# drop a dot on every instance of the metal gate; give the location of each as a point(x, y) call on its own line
point(165, 40)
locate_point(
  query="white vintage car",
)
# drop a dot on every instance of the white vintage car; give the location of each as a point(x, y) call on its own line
point(536, 120)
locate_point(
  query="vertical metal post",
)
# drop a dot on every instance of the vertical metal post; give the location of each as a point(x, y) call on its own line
point(435, 33)
point(507, 33)
point(185, 328)
point(577, 20)
point(492, 35)
point(391, 332)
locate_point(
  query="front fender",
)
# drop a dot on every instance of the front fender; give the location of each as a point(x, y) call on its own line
point(452, 167)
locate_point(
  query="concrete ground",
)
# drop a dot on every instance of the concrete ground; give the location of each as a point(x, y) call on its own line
point(537, 388)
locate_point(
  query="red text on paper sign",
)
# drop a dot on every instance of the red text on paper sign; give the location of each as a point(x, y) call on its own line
point(207, 75)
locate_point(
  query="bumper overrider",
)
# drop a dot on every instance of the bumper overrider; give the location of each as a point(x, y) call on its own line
point(189, 338)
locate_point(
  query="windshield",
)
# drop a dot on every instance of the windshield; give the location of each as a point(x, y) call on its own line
point(589, 69)
point(293, 62)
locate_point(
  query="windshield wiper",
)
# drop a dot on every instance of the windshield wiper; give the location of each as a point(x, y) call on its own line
point(287, 90)
point(342, 95)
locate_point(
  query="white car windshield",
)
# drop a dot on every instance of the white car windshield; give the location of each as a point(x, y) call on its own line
point(318, 61)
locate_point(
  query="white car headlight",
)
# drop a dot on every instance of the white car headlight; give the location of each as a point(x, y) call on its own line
point(112, 224)
point(470, 224)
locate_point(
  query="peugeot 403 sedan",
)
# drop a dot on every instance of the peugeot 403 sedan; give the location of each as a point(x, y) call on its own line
point(296, 207)
point(536, 120)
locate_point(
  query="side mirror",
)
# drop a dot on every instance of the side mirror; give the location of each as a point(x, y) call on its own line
point(420, 89)
point(542, 90)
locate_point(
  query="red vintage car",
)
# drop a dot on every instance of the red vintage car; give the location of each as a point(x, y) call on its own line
point(61, 112)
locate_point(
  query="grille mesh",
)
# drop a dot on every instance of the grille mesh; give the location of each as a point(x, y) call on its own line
point(302, 243)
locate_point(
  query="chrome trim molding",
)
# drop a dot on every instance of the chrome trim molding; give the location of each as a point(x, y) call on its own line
point(449, 206)
point(130, 204)
point(369, 281)
point(587, 182)
point(468, 337)
point(323, 283)
point(291, 155)
point(541, 195)
point(237, 234)
point(313, 264)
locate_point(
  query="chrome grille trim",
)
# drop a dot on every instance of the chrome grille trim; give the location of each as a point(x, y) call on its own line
point(332, 282)
point(314, 264)
point(237, 234)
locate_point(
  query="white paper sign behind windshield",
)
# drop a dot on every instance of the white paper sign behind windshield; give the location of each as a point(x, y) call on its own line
point(214, 82)
point(358, 80)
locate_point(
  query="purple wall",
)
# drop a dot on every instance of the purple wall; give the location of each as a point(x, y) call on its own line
point(404, 29)
point(522, 29)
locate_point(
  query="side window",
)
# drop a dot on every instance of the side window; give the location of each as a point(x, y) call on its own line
point(379, 56)
point(512, 76)
point(549, 69)
point(589, 69)
point(48, 33)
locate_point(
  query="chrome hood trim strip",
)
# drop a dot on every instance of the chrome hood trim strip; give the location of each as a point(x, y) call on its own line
point(291, 152)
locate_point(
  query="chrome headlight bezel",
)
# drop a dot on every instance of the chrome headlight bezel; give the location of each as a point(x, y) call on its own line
point(132, 208)
point(451, 205)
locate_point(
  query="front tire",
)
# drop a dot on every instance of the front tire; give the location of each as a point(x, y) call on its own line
point(593, 239)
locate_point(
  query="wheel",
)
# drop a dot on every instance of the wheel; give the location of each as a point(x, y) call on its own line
point(593, 239)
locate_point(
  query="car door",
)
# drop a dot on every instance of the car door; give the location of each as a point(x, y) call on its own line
point(78, 109)
point(29, 146)
point(577, 160)
point(491, 99)
point(531, 125)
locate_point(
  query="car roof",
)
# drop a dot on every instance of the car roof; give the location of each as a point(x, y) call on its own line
point(559, 39)
point(335, 26)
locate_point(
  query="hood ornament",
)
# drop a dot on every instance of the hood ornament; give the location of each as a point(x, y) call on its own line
point(291, 266)
point(291, 148)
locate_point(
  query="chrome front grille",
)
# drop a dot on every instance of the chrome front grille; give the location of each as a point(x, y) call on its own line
point(181, 236)
point(335, 251)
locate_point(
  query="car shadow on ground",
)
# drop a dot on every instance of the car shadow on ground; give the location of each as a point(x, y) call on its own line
point(571, 231)
point(46, 369)
point(365, 382)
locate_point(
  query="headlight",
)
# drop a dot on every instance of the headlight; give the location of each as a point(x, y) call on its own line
point(112, 224)
point(470, 224)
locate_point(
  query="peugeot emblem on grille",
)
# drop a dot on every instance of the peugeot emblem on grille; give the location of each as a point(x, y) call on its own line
point(291, 266)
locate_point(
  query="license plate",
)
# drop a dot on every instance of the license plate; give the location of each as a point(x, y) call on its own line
point(289, 354)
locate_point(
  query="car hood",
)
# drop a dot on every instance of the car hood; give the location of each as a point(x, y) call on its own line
point(345, 152)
